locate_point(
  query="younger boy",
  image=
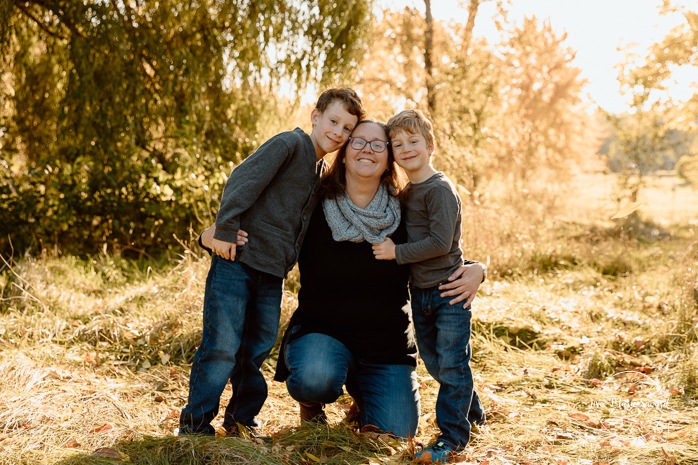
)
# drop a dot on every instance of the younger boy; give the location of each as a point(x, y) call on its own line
point(433, 220)
point(270, 195)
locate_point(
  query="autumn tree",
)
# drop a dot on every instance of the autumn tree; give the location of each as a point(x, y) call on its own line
point(657, 129)
point(120, 120)
point(544, 122)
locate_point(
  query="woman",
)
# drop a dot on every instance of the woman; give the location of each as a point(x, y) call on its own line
point(351, 327)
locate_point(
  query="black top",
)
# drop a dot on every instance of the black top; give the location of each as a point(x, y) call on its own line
point(347, 294)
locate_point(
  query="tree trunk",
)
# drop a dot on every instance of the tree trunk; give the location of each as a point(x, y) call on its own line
point(428, 63)
point(468, 35)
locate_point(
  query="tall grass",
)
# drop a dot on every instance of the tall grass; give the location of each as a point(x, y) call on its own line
point(585, 347)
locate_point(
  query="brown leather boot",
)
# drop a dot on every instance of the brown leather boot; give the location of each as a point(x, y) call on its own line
point(313, 412)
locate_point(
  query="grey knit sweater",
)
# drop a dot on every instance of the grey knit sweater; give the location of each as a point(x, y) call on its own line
point(271, 195)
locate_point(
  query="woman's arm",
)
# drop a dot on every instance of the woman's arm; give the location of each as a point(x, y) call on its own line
point(464, 283)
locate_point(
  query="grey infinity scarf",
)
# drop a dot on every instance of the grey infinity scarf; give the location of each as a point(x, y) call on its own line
point(372, 224)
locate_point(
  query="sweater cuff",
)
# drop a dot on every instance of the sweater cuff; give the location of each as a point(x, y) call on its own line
point(228, 233)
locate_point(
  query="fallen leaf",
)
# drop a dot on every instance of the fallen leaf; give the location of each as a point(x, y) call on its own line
point(73, 444)
point(674, 392)
point(626, 210)
point(579, 416)
point(312, 457)
point(673, 435)
point(669, 459)
point(101, 429)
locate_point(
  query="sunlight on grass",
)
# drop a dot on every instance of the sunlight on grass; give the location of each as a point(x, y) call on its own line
point(585, 342)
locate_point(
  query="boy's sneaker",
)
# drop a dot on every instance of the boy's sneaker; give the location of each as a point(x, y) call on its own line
point(439, 452)
point(313, 412)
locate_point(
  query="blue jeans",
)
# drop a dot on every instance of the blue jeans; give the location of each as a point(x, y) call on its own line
point(242, 307)
point(387, 395)
point(443, 339)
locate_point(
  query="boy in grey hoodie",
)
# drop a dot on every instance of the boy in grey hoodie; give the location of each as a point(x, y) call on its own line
point(270, 195)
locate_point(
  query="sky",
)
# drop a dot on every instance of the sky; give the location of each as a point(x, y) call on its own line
point(596, 30)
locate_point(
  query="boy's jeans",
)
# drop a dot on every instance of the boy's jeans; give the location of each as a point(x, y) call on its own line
point(387, 394)
point(242, 307)
point(443, 339)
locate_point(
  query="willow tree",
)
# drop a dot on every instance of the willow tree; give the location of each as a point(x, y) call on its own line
point(118, 118)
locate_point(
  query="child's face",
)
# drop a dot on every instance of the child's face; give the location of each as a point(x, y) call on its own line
point(412, 152)
point(331, 128)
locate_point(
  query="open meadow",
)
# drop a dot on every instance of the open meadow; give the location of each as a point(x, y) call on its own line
point(585, 340)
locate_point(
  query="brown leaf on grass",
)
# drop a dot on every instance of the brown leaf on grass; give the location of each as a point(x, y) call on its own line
point(579, 416)
point(673, 435)
point(101, 429)
point(674, 392)
point(668, 459)
point(72, 444)
point(312, 457)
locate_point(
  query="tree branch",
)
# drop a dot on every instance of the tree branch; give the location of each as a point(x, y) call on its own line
point(43, 26)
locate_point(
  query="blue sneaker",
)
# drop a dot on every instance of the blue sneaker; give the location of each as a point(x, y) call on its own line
point(439, 452)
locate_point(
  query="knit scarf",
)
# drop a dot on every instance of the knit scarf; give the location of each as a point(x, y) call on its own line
point(371, 224)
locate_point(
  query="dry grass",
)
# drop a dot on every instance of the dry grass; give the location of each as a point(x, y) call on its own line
point(585, 341)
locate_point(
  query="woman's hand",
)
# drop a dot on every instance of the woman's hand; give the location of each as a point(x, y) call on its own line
point(464, 284)
point(223, 249)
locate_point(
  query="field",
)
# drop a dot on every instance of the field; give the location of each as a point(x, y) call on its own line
point(585, 346)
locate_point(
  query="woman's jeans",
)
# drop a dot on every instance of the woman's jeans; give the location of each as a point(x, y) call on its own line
point(242, 307)
point(387, 395)
point(443, 339)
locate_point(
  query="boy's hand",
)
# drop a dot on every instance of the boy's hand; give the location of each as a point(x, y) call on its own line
point(463, 284)
point(385, 250)
point(207, 237)
point(223, 249)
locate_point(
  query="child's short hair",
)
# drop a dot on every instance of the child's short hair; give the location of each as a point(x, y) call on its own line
point(414, 122)
point(350, 99)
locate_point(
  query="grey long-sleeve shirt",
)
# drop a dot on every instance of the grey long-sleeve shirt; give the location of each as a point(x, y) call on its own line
point(433, 219)
point(271, 195)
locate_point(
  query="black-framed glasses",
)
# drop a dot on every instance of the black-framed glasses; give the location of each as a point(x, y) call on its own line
point(377, 146)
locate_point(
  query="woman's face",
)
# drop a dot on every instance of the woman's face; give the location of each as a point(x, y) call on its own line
point(366, 162)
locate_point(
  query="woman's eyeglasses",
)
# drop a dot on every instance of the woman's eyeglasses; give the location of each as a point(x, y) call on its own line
point(377, 146)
